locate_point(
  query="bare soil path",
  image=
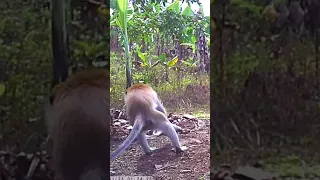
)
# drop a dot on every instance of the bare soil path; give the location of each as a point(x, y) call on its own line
point(165, 164)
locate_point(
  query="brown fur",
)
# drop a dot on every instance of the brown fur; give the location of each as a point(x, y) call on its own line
point(138, 87)
point(78, 123)
point(141, 97)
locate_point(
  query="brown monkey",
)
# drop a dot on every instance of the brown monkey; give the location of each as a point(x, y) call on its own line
point(146, 112)
point(78, 123)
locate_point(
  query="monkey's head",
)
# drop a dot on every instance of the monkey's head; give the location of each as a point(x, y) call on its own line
point(73, 68)
point(137, 86)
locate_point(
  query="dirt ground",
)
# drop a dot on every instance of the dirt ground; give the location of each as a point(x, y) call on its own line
point(164, 164)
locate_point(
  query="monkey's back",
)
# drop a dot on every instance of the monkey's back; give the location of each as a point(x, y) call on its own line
point(79, 126)
point(140, 101)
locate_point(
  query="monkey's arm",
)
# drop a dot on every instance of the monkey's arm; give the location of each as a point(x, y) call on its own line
point(169, 129)
point(159, 107)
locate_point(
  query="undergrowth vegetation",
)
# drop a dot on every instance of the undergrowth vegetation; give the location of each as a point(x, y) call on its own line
point(265, 95)
point(190, 92)
point(167, 46)
point(26, 66)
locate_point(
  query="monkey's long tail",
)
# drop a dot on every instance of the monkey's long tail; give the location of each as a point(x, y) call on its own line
point(136, 129)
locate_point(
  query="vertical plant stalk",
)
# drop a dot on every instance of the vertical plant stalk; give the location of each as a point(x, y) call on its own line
point(68, 17)
point(128, 59)
point(122, 23)
point(59, 42)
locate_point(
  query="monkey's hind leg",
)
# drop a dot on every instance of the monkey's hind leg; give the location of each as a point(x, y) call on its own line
point(144, 144)
point(168, 129)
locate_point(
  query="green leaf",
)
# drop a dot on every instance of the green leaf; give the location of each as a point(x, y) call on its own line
point(123, 5)
point(122, 19)
point(163, 57)
point(192, 45)
point(174, 61)
point(142, 57)
point(175, 7)
point(186, 63)
point(193, 39)
point(187, 11)
point(2, 89)
point(113, 22)
point(129, 13)
point(186, 44)
point(245, 4)
point(157, 8)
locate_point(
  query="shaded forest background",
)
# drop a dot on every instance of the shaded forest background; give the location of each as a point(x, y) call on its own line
point(26, 62)
point(265, 78)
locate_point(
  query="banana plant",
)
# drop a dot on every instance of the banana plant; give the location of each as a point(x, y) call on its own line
point(170, 63)
point(143, 57)
point(189, 62)
point(122, 22)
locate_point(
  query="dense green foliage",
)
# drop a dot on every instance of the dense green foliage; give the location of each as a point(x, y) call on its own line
point(265, 79)
point(154, 30)
point(26, 65)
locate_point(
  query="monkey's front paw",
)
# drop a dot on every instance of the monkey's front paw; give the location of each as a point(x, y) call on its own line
point(179, 150)
point(151, 150)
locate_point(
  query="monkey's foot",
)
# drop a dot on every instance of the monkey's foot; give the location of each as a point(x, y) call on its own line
point(179, 150)
point(151, 150)
point(157, 133)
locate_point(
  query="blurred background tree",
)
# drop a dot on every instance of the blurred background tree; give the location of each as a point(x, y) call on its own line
point(26, 61)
